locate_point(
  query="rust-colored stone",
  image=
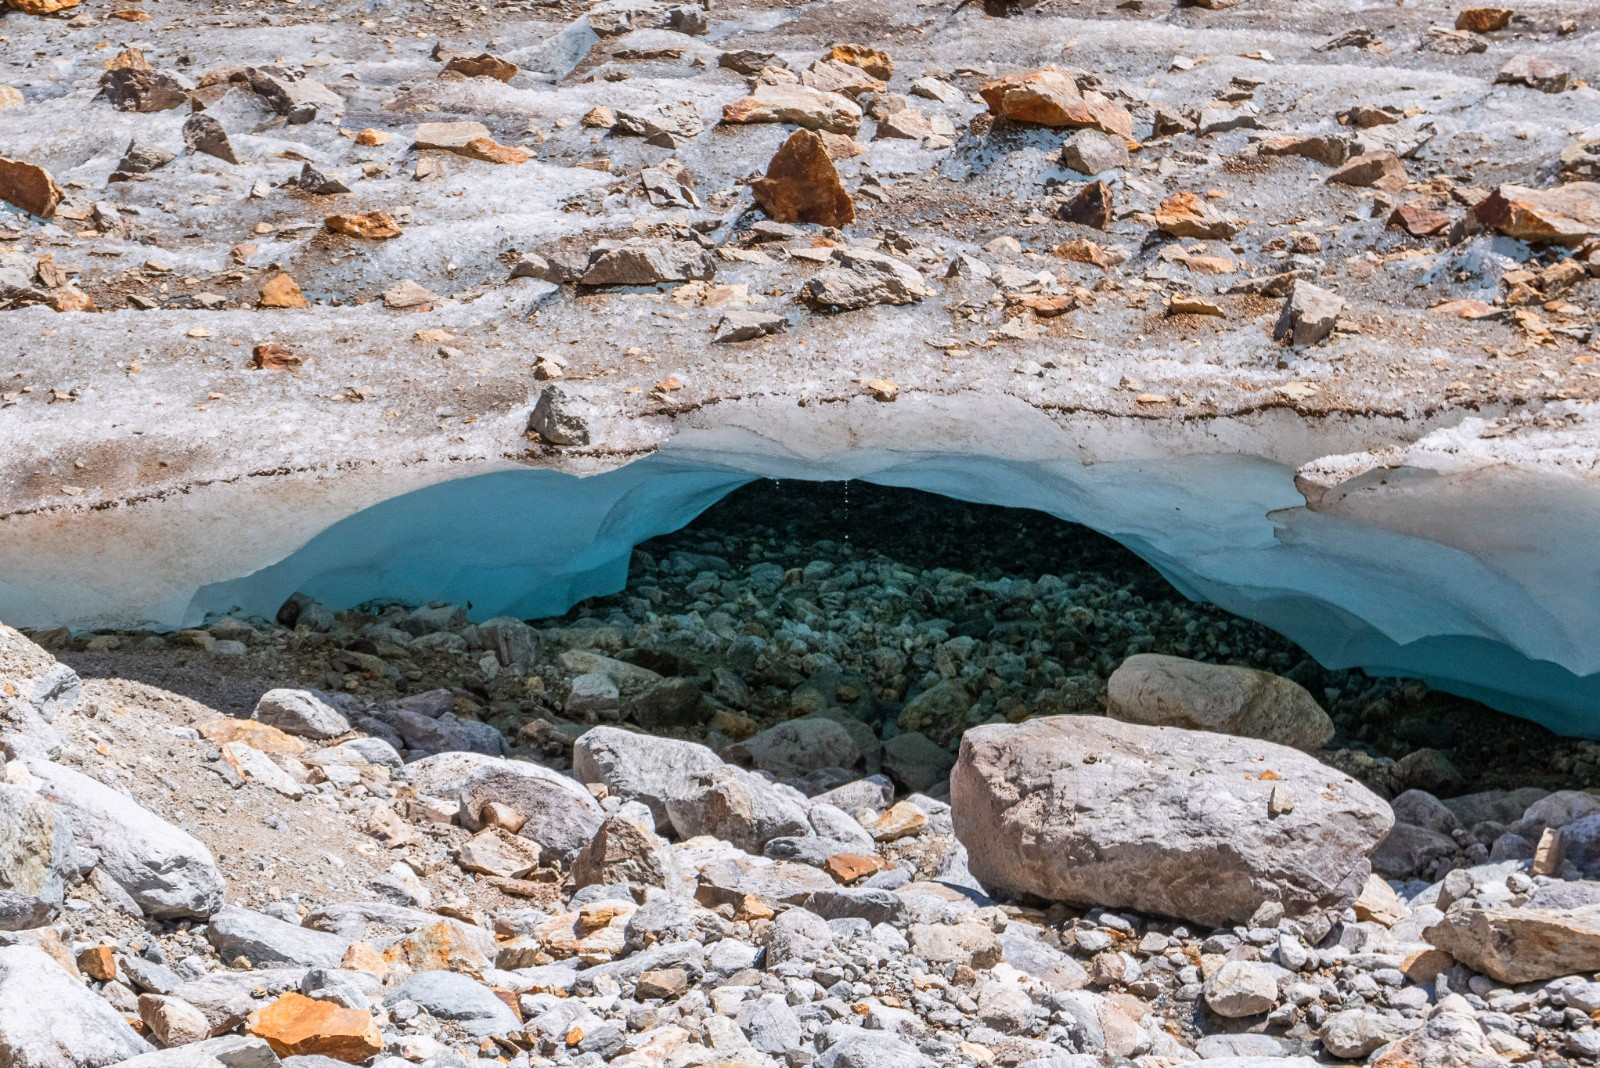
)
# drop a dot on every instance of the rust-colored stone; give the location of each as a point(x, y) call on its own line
point(1419, 220)
point(298, 1026)
point(848, 867)
point(29, 187)
point(281, 291)
point(802, 185)
point(98, 962)
point(1565, 214)
point(370, 138)
point(40, 7)
point(251, 732)
point(1483, 19)
point(483, 66)
point(376, 225)
point(874, 61)
point(491, 151)
point(270, 356)
point(1050, 97)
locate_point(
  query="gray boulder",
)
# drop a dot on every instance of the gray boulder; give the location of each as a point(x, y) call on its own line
point(853, 1047)
point(798, 747)
point(230, 1051)
point(646, 263)
point(269, 942)
point(738, 807)
point(36, 859)
point(1199, 826)
point(1309, 315)
point(300, 712)
point(1521, 945)
point(860, 278)
point(48, 1019)
point(562, 816)
point(797, 935)
point(1171, 691)
point(637, 767)
point(453, 996)
point(916, 761)
point(168, 873)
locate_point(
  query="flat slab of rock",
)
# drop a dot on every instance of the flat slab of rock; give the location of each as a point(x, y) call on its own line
point(1522, 945)
point(1090, 811)
point(1171, 691)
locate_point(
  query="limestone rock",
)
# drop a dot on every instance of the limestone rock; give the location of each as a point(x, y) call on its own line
point(1050, 97)
point(1170, 691)
point(797, 105)
point(561, 815)
point(1447, 1040)
point(37, 859)
point(297, 1026)
point(860, 279)
point(736, 806)
point(1091, 152)
point(624, 851)
point(268, 942)
point(1091, 811)
point(874, 61)
point(802, 185)
point(1243, 988)
point(554, 421)
point(450, 995)
point(29, 187)
point(1483, 19)
point(300, 712)
point(1355, 1033)
point(1309, 314)
point(48, 1019)
point(173, 1021)
point(1564, 215)
point(636, 767)
point(1378, 170)
point(169, 873)
point(1521, 945)
point(797, 747)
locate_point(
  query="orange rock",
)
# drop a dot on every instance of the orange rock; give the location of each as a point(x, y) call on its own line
point(1379, 170)
point(71, 299)
point(483, 66)
point(802, 185)
point(29, 187)
point(98, 962)
point(254, 733)
point(364, 957)
point(131, 16)
point(437, 947)
point(883, 389)
point(1484, 19)
point(1050, 97)
point(40, 7)
point(1565, 214)
point(377, 225)
point(372, 138)
point(1186, 215)
point(1048, 307)
point(841, 146)
point(1082, 250)
point(848, 867)
point(10, 97)
point(298, 1026)
point(752, 907)
point(128, 59)
point(1419, 220)
point(874, 61)
point(269, 356)
point(281, 291)
point(491, 151)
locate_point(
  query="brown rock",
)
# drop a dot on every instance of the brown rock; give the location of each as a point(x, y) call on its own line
point(901, 821)
point(874, 61)
point(1379, 170)
point(1082, 250)
point(802, 185)
point(483, 66)
point(1484, 19)
point(29, 187)
point(1187, 215)
point(252, 732)
point(1564, 215)
point(883, 389)
point(1324, 148)
point(1049, 97)
point(1545, 75)
point(797, 104)
point(1191, 304)
point(1419, 220)
point(40, 7)
point(376, 225)
point(172, 1021)
point(298, 1026)
point(270, 356)
point(491, 151)
point(98, 962)
point(203, 133)
point(1092, 206)
point(831, 76)
point(142, 90)
point(665, 983)
point(370, 138)
point(281, 291)
point(849, 867)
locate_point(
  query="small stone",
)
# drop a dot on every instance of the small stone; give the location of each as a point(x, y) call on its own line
point(1187, 215)
point(1092, 152)
point(374, 225)
point(204, 134)
point(271, 356)
point(98, 962)
point(1190, 304)
point(1449, 42)
point(370, 138)
point(297, 1026)
point(1309, 315)
point(852, 867)
point(739, 326)
point(406, 295)
point(483, 66)
point(173, 1021)
point(802, 185)
point(281, 291)
point(554, 422)
point(1242, 988)
point(1378, 170)
point(902, 820)
point(1090, 206)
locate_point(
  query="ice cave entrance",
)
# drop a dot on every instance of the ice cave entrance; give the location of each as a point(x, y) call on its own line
point(1229, 531)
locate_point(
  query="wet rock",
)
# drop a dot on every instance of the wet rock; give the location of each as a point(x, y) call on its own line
point(1563, 215)
point(167, 872)
point(736, 806)
point(1187, 215)
point(636, 767)
point(37, 859)
point(860, 278)
point(142, 90)
point(1091, 152)
point(802, 185)
point(48, 1019)
point(646, 263)
point(301, 713)
point(796, 105)
point(1521, 945)
point(204, 134)
point(297, 1026)
point(1309, 315)
point(1170, 691)
point(1164, 820)
point(29, 187)
point(1535, 72)
point(1093, 205)
point(553, 420)
point(1050, 97)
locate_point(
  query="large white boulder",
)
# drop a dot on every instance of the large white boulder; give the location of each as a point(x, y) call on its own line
point(637, 767)
point(36, 859)
point(1171, 691)
point(1199, 826)
point(48, 1019)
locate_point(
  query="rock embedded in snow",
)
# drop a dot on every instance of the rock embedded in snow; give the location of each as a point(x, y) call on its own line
point(802, 185)
point(861, 278)
point(554, 420)
point(301, 713)
point(48, 1019)
point(169, 873)
point(1175, 822)
point(738, 326)
point(1309, 314)
point(647, 263)
point(1563, 215)
point(1187, 215)
point(1170, 691)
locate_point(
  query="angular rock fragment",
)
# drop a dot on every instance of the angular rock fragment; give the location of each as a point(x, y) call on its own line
point(407, 295)
point(290, 93)
point(37, 859)
point(625, 851)
point(484, 65)
point(1330, 149)
point(1521, 945)
point(1419, 220)
point(1564, 215)
point(736, 806)
point(140, 159)
point(560, 815)
point(831, 76)
point(1169, 691)
point(318, 182)
point(798, 105)
point(666, 125)
point(29, 187)
point(1483, 19)
point(203, 133)
point(874, 61)
point(142, 90)
point(669, 185)
point(1379, 170)
point(1050, 97)
point(1174, 822)
point(41, 7)
point(647, 263)
point(739, 326)
point(636, 767)
point(1090, 206)
point(49, 1019)
point(1545, 75)
point(802, 185)
point(1187, 215)
point(554, 422)
point(297, 1026)
point(611, 18)
point(300, 712)
point(1580, 161)
point(1450, 42)
point(270, 356)
point(372, 225)
point(281, 291)
point(1092, 152)
point(1309, 315)
point(860, 279)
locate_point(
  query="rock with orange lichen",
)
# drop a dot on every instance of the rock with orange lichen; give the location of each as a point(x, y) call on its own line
point(298, 1026)
point(40, 7)
point(1050, 97)
point(375, 225)
point(802, 185)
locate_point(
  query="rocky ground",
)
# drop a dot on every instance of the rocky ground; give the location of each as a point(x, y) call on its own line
point(806, 791)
